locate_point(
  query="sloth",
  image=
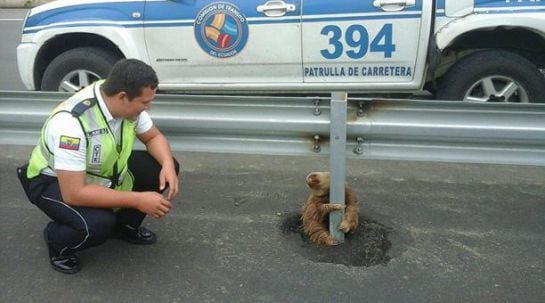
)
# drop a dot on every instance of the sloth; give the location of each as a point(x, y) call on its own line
point(317, 208)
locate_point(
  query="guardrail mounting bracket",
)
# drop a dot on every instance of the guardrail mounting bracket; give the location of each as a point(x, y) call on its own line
point(358, 149)
point(360, 109)
point(316, 148)
point(317, 110)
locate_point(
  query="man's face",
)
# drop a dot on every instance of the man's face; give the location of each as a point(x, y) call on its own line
point(139, 104)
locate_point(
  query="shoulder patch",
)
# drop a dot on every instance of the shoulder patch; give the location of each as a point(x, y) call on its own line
point(81, 107)
point(69, 143)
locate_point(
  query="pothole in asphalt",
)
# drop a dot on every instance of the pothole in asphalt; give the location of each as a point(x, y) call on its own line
point(367, 246)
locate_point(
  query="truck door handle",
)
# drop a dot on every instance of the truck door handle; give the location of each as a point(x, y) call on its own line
point(276, 8)
point(393, 5)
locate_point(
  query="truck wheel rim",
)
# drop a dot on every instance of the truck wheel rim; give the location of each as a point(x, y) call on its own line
point(78, 79)
point(497, 89)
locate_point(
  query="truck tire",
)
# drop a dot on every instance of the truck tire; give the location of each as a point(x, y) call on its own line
point(493, 76)
point(77, 68)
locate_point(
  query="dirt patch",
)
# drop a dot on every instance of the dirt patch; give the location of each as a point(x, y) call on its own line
point(368, 246)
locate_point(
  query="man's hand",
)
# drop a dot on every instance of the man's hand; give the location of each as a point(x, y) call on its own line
point(168, 176)
point(157, 145)
point(153, 204)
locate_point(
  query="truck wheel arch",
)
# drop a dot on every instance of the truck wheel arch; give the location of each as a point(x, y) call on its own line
point(62, 43)
point(449, 33)
point(457, 40)
point(76, 68)
point(493, 76)
point(524, 35)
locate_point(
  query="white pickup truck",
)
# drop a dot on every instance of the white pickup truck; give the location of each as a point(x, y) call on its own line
point(480, 50)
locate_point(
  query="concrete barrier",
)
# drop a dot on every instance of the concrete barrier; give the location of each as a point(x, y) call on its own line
point(21, 3)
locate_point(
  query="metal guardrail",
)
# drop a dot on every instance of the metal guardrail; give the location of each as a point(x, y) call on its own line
point(376, 129)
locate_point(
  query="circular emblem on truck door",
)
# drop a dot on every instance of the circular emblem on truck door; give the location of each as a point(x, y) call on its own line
point(221, 29)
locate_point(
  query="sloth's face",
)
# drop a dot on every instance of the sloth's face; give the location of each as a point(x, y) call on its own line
point(318, 180)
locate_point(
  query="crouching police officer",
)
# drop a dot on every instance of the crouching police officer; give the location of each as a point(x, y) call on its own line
point(84, 175)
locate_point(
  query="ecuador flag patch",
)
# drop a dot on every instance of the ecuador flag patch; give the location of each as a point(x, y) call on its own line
point(69, 143)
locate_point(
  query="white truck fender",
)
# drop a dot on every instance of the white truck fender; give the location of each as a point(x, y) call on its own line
point(60, 17)
point(449, 32)
point(126, 39)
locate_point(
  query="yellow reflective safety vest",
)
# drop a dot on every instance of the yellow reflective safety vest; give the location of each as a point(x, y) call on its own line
point(106, 158)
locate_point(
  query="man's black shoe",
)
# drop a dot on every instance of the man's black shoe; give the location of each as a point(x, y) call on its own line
point(140, 235)
point(65, 264)
point(68, 264)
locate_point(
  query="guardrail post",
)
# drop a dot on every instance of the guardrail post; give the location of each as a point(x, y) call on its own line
point(337, 160)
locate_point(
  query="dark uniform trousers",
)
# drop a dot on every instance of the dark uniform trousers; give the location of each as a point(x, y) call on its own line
point(75, 228)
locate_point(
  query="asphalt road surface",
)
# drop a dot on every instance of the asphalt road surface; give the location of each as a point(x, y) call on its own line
point(458, 233)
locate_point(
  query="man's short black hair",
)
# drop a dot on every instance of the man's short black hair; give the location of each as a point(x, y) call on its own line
point(130, 76)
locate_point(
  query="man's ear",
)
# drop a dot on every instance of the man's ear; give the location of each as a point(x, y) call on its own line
point(122, 96)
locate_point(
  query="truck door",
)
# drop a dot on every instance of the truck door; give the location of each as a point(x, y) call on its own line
point(374, 41)
point(199, 42)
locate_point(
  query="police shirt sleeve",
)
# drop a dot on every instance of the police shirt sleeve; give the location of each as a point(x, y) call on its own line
point(66, 140)
point(143, 123)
